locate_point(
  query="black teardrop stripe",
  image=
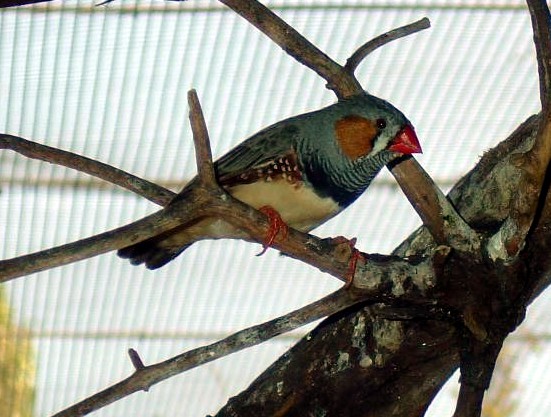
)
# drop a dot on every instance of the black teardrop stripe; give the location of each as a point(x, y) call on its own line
point(325, 187)
point(351, 184)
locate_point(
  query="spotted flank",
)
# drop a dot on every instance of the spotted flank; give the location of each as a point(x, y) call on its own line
point(284, 167)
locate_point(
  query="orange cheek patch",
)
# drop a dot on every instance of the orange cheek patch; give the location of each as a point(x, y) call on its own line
point(355, 135)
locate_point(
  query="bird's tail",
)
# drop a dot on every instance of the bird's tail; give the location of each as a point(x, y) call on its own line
point(151, 252)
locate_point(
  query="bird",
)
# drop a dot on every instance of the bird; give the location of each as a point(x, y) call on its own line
point(301, 172)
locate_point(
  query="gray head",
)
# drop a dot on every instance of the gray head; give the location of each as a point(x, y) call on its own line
point(352, 140)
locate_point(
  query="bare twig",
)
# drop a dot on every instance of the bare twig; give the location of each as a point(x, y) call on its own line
point(13, 3)
point(539, 12)
point(135, 359)
point(205, 167)
point(147, 376)
point(88, 247)
point(341, 82)
point(169, 218)
point(200, 202)
point(149, 190)
point(157, 223)
point(357, 57)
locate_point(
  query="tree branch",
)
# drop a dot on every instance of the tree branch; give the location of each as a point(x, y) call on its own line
point(200, 201)
point(383, 279)
point(203, 153)
point(92, 246)
point(147, 189)
point(291, 41)
point(145, 377)
point(13, 3)
point(541, 20)
point(532, 165)
point(445, 225)
point(358, 56)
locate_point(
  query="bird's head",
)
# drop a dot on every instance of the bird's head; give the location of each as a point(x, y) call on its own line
point(346, 144)
point(371, 128)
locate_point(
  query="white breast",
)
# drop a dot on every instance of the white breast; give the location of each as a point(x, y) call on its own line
point(299, 206)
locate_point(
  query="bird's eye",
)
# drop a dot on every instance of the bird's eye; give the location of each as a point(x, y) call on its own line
point(381, 123)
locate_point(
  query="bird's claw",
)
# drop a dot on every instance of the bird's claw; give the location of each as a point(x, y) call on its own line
point(277, 225)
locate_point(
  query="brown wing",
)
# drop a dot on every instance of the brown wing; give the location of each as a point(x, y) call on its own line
point(268, 155)
point(281, 167)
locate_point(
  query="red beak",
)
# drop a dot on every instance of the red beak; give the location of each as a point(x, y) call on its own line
point(406, 142)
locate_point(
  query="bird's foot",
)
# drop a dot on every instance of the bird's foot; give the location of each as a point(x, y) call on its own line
point(354, 256)
point(277, 225)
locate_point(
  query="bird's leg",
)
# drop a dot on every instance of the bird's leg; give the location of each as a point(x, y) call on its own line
point(354, 256)
point(277, 225)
